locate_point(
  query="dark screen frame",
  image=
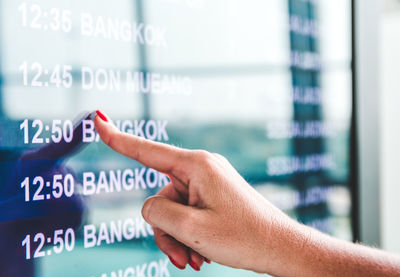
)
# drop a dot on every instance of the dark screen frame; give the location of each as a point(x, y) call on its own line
point(354, 168)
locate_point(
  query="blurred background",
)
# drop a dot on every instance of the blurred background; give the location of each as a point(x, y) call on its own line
point(388, 94)
point(299, 95)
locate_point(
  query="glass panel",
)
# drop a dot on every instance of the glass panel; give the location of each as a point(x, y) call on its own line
point(266, 83)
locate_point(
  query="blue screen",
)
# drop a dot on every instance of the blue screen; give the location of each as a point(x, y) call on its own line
point(266, 83)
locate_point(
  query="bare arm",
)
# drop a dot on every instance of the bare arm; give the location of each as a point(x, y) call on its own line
point(209, 211)
point(322, 255)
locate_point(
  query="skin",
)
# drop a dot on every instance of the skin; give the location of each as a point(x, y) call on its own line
point(209, 211)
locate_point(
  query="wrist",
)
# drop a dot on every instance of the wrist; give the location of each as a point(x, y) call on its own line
point(285, 243)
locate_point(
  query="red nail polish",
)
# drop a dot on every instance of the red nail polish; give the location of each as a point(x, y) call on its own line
point(194, 266)
point(175, 264)
point(101, 115)
point(207, 261)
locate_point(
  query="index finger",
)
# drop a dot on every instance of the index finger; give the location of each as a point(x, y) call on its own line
point(160, 156)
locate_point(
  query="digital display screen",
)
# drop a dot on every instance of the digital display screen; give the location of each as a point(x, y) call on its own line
point(265, 83)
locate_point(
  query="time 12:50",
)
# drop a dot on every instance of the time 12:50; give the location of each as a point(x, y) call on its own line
point(59, 130)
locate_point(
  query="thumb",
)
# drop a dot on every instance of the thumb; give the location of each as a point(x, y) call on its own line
point(177, 220)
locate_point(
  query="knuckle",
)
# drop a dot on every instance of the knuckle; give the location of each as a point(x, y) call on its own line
point(188, 222)
point(220, 157)
point(203, 156)
point(176, 166)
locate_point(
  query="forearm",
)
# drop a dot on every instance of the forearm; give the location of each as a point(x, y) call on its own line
point(311, 253)
point(341, 258)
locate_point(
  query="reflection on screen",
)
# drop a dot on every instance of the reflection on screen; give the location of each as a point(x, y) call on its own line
point(266, 83)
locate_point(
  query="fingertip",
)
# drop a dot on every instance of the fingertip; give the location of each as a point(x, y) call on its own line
point(194, 265)
point(104, 127)
point(175, 250)
point(148, 206)
point(101, 129)
point(176, 264)
point(102, 115)
point(99, 124)
point(100, 119)
point(146, 209)
point(196, 260)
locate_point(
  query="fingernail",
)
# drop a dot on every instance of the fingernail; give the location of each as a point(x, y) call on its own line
point(101, 115)
point(175, 264)
point(194, 266)
point(207, 261)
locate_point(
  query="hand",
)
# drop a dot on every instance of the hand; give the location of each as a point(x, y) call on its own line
point(208, 211)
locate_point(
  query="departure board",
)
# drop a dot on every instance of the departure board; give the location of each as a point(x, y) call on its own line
point(265, 83)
